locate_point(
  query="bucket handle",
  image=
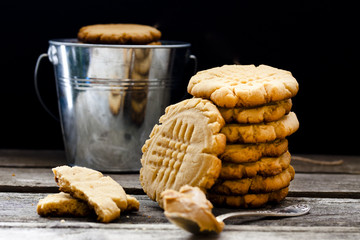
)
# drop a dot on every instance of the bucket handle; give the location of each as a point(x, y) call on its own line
point(44, 55)
point(193, 57)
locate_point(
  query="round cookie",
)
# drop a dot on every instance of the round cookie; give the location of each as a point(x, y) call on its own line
point(118, 34)
point(183, 149)
point(248, 152)
point(266, 166)
point(248, 200)
point(261, 132)
point(257, 184)
point(243, 85)
point(266, 113)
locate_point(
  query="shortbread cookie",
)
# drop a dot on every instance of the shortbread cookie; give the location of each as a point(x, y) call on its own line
point(261, 132)
point(119, 34)
point(243, 85)
point(266, 113)
point(257, 184)
point(266, 166)
point(251, 152)
point(248, 200)
point(62, 204)
point(183, 149)
point(103, 194)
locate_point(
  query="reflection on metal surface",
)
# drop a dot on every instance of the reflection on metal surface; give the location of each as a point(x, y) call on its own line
point(110, 97)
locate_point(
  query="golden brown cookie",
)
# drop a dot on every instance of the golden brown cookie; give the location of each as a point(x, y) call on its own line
point(243, 85)
point(257, 184)
point(62, 204)
point(103, 194)
point(266, 166)
point(248, 200)
point(261, 132)
point(183, 149)
point(266, 113)
point(251, 152)
point(119, 34)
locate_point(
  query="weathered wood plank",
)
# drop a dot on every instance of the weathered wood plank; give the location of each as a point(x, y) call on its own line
point(304, 184)
point(325, 185)
point(21, 207)
point(350, 165)
point(167, 231)
point(52, 158)
point(31, 158)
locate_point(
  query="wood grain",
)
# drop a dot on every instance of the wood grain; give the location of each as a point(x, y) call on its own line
point(31, 158)
point(350, 165)
point(329, 218)
point(304, 184)
point(333, 192)
point(167, 231)
point(21, 207)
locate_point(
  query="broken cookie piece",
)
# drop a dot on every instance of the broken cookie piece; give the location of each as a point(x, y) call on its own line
point(103, 194)
point(62, 204)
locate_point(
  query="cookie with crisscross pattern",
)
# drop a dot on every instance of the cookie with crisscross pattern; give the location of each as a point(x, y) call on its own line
point(243, 85)
point(183, 149)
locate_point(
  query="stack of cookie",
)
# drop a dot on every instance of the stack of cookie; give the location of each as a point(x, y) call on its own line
point(256, 104)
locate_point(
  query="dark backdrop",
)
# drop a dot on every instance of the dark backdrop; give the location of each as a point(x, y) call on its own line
point(318, 41)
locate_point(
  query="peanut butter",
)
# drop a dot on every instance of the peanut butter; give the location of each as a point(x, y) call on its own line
point(190, 203)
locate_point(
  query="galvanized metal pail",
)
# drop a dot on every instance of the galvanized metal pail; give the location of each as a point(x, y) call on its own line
point(111, 96)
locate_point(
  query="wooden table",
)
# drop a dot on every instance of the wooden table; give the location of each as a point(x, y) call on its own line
point(332, 191)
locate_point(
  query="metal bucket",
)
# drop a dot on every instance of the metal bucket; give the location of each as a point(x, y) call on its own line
point(111, 96)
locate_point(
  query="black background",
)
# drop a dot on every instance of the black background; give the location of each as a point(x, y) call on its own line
point(318, 41)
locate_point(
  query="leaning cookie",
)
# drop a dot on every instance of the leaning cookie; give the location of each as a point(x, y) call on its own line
point(183, 148)
point(119, 34)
